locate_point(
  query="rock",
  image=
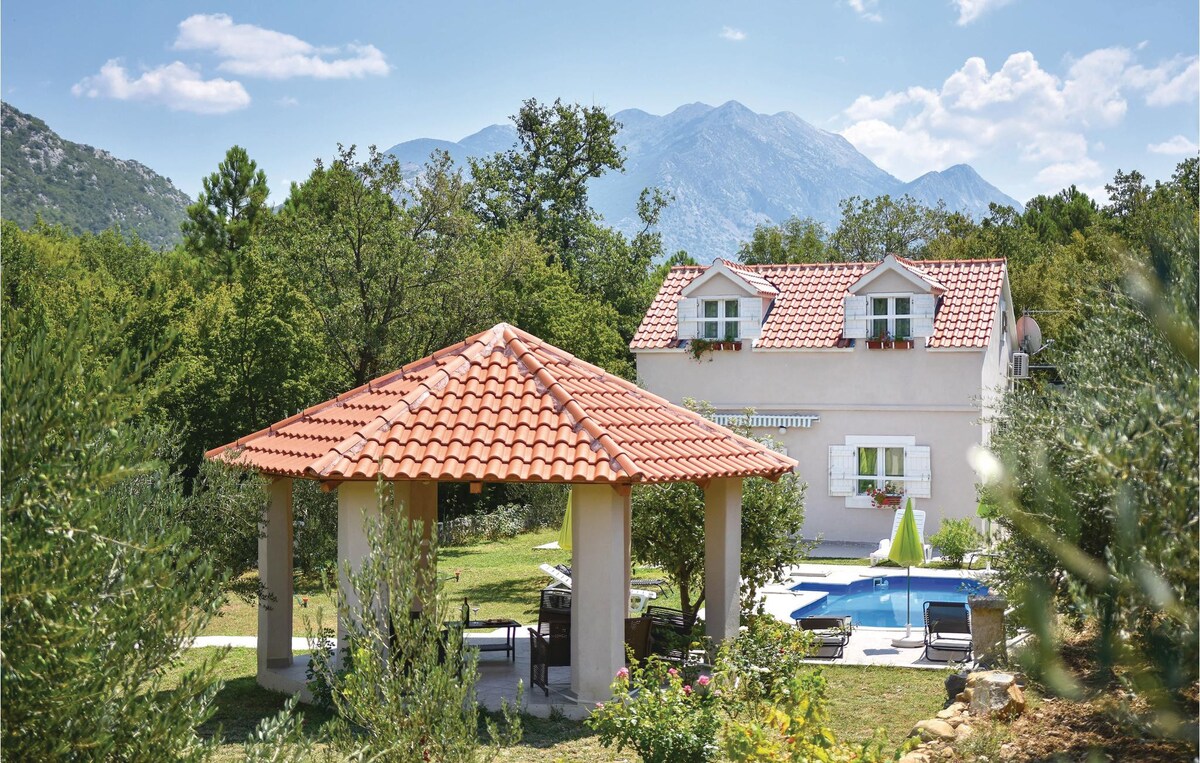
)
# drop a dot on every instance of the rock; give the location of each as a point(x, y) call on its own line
point(995, 693)
point(914, 757)
point(963, 731)
point(955, 683)
point(958, 707)
point(956, 720)
point(966, 695)
point(946, 714)
point(933, 729)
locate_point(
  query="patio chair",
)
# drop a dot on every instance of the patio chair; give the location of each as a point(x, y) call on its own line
point(637, 637)
point(885, 545)
point(670, 632)
point(947, 629)
point(550, 642)
point(830, 633)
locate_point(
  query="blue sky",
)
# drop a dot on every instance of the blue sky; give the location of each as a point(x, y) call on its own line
point(1034, 94)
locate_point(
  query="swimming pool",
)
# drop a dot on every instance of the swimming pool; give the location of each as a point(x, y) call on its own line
point(880, 602)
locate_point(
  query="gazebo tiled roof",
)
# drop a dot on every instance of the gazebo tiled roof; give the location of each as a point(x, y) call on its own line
point(503, 406)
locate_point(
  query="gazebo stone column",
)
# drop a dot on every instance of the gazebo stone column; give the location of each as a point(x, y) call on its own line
point(357, 504)
point(600, 598)
point(275, 576)
point(418, 499)
point(722, 557)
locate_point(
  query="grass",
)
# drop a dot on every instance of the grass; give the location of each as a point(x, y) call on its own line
point(862, 699)
point(502, 576)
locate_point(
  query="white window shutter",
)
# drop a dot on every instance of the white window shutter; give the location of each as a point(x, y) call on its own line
point(918, 480)
point(685, 313)
point(922, 314)
point(749, 317)
point(843, 469)
point(855, 326)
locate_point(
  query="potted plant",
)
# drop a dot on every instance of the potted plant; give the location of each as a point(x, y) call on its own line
point(699, 347)
point(879, 342)
point(886, 497)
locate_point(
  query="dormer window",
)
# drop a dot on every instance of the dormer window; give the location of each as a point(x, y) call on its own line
point(891, 317)
point(719, 319)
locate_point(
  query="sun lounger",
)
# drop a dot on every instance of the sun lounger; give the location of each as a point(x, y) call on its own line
point(831, 634)
point(881, 554)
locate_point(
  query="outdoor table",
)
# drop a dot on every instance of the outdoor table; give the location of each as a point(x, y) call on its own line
point(509, 646)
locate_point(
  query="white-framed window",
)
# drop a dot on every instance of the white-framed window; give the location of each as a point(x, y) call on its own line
point(890, 317)
point(719, 319)
point(870, 462)
point(879, 468)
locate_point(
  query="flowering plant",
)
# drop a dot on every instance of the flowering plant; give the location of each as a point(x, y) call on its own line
point(660, 716)
point(889, 495)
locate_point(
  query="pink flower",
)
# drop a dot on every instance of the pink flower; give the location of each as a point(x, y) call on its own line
point(687, 689)
point(703, 680)
point(623, 673)
point(672, 672)
point(599, 705)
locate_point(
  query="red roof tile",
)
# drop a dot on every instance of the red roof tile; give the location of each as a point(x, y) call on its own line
point(808, 310)
point(502, 406)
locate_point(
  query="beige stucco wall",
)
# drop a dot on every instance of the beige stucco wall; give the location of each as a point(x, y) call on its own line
point(934, 396)
point(890, 282)
point(719, 286)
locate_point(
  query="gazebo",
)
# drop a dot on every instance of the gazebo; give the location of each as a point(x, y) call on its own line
point(504, 406)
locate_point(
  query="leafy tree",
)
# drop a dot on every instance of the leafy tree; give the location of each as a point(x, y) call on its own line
point(225, 215)
point(797, 240)
point(542, 182)
point(668, 531)
point(100, 594)
point(1100, 492)
point(372, 266)
point(249, 355)
point(871, 229)
point(1055, 218)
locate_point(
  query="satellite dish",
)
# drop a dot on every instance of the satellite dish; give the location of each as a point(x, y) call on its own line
point(1029, 334)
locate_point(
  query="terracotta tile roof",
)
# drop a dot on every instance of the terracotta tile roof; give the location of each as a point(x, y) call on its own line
point(808, 310)
point(503, 406)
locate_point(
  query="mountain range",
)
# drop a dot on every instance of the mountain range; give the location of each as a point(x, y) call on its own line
point(83, 188)
point(730, 169)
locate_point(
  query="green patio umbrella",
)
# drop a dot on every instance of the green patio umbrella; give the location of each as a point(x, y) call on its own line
point(564, 534)
point(907, 549)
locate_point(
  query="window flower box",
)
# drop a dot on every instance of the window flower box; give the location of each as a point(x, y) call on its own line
point(734, 346)
point(888, 343)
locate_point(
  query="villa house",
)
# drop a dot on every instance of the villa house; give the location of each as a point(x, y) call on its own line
point(871, 375)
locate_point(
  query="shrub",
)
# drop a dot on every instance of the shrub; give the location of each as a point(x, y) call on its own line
point(765, 653)
point(955, 538)
point(662, 718)
point(405, 690)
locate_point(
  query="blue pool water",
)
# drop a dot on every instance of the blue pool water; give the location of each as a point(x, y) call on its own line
point(881, 603)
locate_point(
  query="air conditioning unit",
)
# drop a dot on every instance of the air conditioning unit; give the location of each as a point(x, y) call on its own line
point(1020, 365)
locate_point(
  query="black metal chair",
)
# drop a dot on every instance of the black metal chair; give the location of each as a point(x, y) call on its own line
point(670, 632)
point(830, 633)
point(947, 629)
point(550, 642)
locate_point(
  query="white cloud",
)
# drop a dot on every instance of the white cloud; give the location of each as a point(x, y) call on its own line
point(866, 9)
point(253, 51)
point(287, 101)
point(970, 10)
point(1021, 109)
point(176, 85)
point(734, 35)
point(1176, 146)
point(1182, 88)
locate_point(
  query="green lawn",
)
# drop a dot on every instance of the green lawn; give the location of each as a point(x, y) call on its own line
point(501, 576)
point(861, 698)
